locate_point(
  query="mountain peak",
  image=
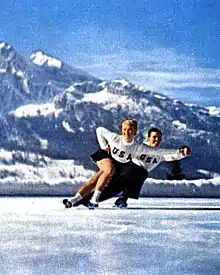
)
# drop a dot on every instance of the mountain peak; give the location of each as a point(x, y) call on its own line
point(41, 59)
point(4, 45)
point(7, 52)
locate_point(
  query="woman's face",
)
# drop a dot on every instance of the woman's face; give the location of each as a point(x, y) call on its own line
point(128, 132)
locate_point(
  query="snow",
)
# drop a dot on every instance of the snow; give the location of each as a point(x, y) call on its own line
point(2, 44)
point(113, 100)
point(153, 236)
point(214, 111)
point(179, 124)
point(67, 127)
point(141, 88)
point(25, 173)
point(44, 143)
point(31, 174)
point(106, 98)
point(5, 45)
point(122, 82)
point(100, 97)
point(39, 58)
point(2, 71)
point(102, 84)
point(35, 110)
point(71, 89)
point(25, 86)
point(160, 97)
point(18, 73)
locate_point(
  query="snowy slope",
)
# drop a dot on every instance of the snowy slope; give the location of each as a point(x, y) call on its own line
point(52, 109)
point(23, 173)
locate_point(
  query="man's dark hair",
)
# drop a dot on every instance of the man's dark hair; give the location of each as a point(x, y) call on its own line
point(154, 130)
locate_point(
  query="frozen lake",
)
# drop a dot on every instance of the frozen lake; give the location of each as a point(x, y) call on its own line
point(153, 236)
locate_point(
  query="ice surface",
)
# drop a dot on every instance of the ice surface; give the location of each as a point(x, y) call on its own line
point(39, 236)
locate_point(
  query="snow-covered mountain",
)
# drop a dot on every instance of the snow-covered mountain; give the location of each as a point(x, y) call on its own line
point(36, 79)
point(50, 108)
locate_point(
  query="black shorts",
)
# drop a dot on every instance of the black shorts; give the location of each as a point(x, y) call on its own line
point(99, 155)
point(119, 166)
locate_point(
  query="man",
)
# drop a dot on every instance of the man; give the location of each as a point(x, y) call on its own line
point(146, 160)
point(154, 139)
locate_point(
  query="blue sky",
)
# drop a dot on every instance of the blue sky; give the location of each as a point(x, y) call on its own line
point(168, 46)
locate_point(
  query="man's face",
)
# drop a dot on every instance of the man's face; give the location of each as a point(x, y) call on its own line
point(128, 132)
point(155, 139)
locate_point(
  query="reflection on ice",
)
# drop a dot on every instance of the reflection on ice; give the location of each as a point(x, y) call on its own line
point(39, 236)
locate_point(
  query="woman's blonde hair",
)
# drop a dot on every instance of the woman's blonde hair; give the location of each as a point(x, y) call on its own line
point(130, 122)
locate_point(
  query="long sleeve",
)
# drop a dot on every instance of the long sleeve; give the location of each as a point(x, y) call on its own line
point(104, 136)
point(164, 154)
point(149, 157)
point(172, 155)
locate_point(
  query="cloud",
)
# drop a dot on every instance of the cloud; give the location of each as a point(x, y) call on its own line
point(158, 70)
point(110, 54)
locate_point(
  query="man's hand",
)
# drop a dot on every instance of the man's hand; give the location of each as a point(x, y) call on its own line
point(185, 150)
point(108, 149)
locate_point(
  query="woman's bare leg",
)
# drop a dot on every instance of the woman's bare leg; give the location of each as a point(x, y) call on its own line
point(90, 185)
point(97, 182)
point(86, 188)
point(107, 168)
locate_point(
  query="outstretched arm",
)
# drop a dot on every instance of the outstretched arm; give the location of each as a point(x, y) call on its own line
point(183, 152)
